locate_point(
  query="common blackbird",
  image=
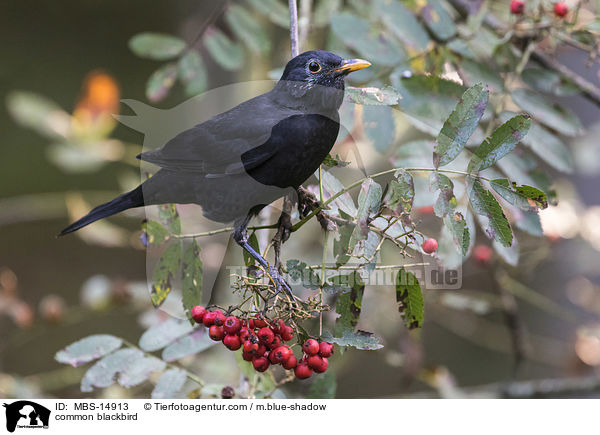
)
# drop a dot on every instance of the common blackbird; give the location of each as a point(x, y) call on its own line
point(241, 160)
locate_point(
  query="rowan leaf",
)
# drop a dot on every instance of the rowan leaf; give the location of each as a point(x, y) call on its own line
point(460, 125)
point(446, 201)
point(485, 204)
point(410, 299)
point(156, 46)
point(191, 278)
point(502, 141)
point(525, 197)
point(400, 193)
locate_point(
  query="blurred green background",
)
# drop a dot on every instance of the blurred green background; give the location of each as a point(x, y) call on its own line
point(50, 48)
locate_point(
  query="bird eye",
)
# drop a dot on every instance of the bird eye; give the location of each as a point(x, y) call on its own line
point(314, 66)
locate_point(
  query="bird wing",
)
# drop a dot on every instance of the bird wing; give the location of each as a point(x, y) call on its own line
point(215, 147)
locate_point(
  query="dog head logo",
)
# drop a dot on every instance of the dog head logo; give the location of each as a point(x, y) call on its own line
point(26, 414)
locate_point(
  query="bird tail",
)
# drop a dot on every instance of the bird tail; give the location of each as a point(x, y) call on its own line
point(132, 199)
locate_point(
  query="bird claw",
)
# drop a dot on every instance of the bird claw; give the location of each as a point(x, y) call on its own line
point(279, 282)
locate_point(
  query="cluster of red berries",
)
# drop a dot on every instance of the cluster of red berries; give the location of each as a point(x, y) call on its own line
point(261, 342)
point(517, 7)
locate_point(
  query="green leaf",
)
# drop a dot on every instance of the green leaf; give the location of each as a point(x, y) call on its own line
point(549, 82)
point(438, 20)
point(334, 162)
point(403, 24)
point(168, 216)
point(191, 279)
point(323, 387)
point(275, 10)
point(88, 349)
point(192, 73)
point(156, 233)
point(426, 101)
point(157, 46)
point(163, 334)
point(247, 29)
point(167, 267)
point(410, 299)
point(386, 96)
point(252, 241)
point(369, 200)
point(188, 344)
point(446, 201)
point(379, 126)
point(460, 125)
point(503, 141)
point(299, 271)
point(139, 370)
point(525, 197)
point(332, 185)
point(360, 35)
point(457, 225)
point(485, 204)
point(228, 54)
point(546, 145)
point(349, 304)
point(103, 373)
point(169, 384)
point(481, 72)
point(362, 340)
point(400, 193)
point(341, 244)
point(554, 116)
point(161, 81)
point(39, 114)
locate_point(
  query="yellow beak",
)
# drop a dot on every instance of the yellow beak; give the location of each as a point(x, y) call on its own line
point(350, 65)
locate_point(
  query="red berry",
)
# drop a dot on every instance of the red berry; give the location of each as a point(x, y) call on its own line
point(259, 323)
point(247, 356)
point(326, 349)
point(250, 347)
point(287, 333)
point(517, 7)
point(430, 246)
point(561, 9)
point(280, 354)
point(232, 342)
point(314, 361)
point(232, 325)
point(209, 319)
point(482, 255)
point(323, 367)
point(251, 324)
point(219, 317)
point(311, 347)
point(216, 333)
point(260, 364)
point(303, 371)
point(425, 210)
point(198, 313)
point(290, 363)
point(244, 333)
point(266, 335)
point(262, 350)
point(276, 342)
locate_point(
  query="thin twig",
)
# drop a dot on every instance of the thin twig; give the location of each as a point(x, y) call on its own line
point(294, 27)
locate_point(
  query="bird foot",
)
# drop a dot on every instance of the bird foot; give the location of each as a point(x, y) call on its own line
point(279, 282)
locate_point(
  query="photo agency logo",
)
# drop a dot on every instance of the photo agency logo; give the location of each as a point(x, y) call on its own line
point(429, 276)
point(25, 414)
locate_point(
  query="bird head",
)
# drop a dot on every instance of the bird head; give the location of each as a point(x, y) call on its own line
point(319, 72)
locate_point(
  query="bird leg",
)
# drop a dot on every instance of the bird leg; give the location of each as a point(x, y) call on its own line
point(240, 235)
point(307, 202)
point(284, 226)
